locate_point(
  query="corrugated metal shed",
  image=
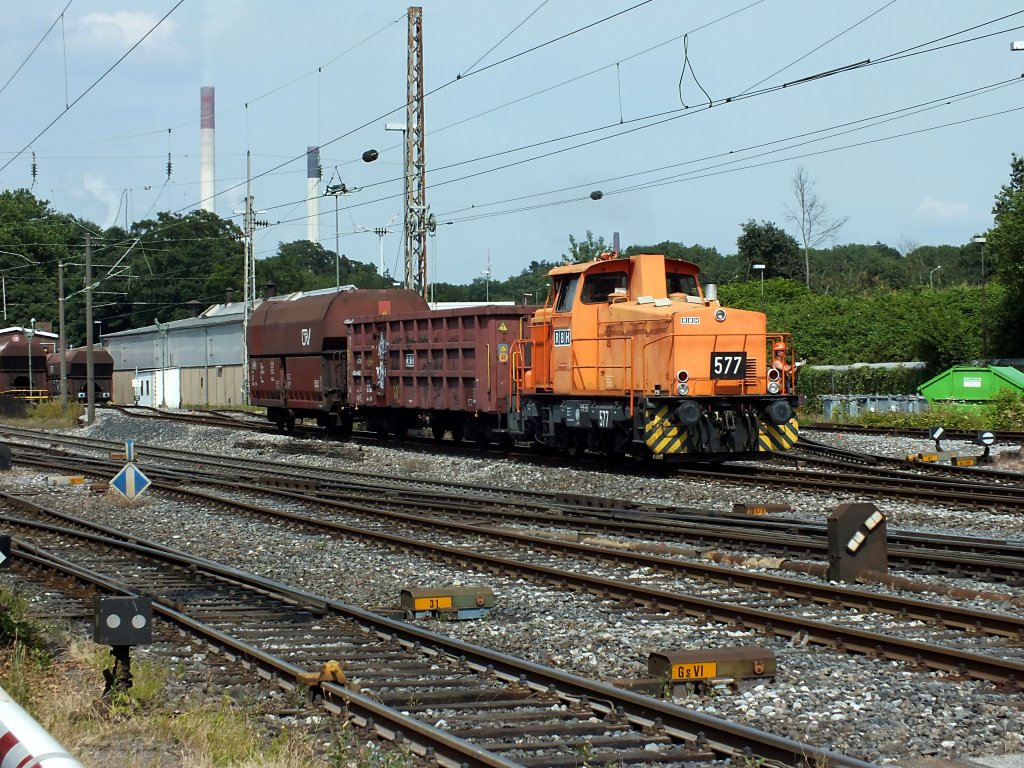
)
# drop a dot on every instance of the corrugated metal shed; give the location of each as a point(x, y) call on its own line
point(972, 384)
point(213, 338)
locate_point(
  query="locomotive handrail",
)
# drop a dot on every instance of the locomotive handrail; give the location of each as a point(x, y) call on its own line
point(517, 352)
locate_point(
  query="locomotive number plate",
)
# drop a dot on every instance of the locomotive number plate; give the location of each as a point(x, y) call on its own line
point(702, 671)
point(432, 603)
point(728, 365)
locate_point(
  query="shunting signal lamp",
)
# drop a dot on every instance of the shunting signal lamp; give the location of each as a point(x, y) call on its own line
point(370, 155)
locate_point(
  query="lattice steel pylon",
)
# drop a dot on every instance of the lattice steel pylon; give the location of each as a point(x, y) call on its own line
point(417, 215)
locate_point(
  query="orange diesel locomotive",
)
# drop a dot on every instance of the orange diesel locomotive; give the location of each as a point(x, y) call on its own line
point(633, 356)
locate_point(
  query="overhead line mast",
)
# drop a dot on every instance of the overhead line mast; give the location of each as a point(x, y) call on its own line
point(417, 217)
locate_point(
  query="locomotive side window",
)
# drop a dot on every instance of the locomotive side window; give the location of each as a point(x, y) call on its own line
point(597, 288)
point(566, 291)
point(680, 283)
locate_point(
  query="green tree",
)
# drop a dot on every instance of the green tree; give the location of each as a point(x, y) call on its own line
point(1006, 239)
point(767, 244)
point(586, 250)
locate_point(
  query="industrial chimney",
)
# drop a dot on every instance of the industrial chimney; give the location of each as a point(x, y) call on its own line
point(313, 194)
point(206, 154)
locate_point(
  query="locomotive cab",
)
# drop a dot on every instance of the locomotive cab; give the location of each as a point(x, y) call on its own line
point(629, 355)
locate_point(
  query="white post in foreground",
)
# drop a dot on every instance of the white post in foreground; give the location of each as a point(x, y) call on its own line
point(24, 742)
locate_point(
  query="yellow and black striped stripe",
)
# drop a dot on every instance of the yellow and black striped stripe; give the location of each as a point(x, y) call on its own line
point(663, 434)
point(774, 438)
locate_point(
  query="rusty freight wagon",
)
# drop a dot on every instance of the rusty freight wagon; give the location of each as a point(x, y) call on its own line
point(449, 370)
point(23, 365)
point(76, 364)
point(298, 362)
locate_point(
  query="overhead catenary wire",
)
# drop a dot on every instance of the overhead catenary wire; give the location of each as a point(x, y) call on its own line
point(506, 37)
point(60, 18)
point(701, 174)
point(879, 118)
point(436, 89)
point(818, 47)
point(914, 49)
point(668, 116)
point(94, 84)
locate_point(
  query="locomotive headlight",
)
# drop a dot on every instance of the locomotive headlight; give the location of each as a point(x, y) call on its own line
point(683, 389)
point(720, 314)
point(773, 387)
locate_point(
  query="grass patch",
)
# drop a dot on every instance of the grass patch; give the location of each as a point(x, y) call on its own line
point(48, 414)
point(24, 653)
point(152, 725)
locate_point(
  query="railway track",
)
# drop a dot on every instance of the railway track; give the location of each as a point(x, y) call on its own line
point(1002, 436)
point(785, 616)
point(449, 702)
point(700, 529)
point(854, 476)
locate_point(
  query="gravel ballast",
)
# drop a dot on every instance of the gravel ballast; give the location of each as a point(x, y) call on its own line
point(876, 710)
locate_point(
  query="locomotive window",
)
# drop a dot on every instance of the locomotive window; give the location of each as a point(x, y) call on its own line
point(679, 283)
point(597, 288)
point(566, 293)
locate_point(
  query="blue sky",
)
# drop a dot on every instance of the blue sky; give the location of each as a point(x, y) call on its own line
point(332, 73)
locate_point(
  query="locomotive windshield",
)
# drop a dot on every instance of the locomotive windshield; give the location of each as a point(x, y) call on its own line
point(566, 293)
point(597, 288)
point(680, 283)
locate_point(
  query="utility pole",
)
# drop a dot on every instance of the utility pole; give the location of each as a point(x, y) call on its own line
point(249, 276)
point(416, 214)
point(61, 339)
point(90, 413)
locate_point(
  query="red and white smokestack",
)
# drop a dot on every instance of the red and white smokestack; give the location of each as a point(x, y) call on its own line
point(206, 152)
point(313, 194)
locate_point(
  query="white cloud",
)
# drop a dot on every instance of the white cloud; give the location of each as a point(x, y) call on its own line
point(122, 29)
point(943, 210)
point(103, 200)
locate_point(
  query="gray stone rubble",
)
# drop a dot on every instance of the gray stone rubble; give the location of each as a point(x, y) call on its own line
point(878, 711)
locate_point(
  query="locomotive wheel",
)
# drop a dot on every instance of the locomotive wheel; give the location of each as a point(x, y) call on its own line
point(279, 420)
point(457, 433)
point(642, 454)
point(437, 432)
point(289, 421)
